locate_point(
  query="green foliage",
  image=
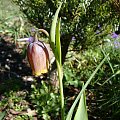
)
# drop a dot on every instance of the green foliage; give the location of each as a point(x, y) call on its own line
point(12, 21)
point(56, 48)
point(2, 114)
point(45, 101)
point(16, 102)
point(80, 64)
point(80, 18)
point(70, 113)
point(81, 113)
point(57, 52)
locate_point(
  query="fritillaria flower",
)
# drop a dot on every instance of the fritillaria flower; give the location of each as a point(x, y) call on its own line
point(38, 57)
point(37, 53)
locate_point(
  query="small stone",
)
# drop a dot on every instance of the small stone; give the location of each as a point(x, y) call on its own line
point(28, 78)
point(7, 67)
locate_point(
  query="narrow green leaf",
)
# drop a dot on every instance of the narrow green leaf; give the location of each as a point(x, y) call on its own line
point(60, 78)
point(2, 115)
point(81, 113)
point(58, 44)
point(69, 116)
point(53, 28)
point(56, 48)
point(108, 61)
point(118, 72)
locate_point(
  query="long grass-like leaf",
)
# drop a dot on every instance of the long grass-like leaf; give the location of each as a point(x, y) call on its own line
point(58, 44)
point(59, 66)
point(69, 116)
point(53, 28)
point(56, 48)
point(118, 72)
point(81, 113)
point(108, 61)
point(60, 77)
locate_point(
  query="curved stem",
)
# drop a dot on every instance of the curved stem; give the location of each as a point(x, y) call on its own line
point(36, 37)
point(44, 31)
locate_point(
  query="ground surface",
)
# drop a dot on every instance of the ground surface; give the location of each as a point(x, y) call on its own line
point(15, 73)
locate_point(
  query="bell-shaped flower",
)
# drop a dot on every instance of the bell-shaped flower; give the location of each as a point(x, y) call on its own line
point(38, 57)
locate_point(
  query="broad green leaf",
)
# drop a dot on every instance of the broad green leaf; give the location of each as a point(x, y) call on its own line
point(69, 116)
point(53, 28)
point(58, 44)
point(2, 115)
point(81, 113)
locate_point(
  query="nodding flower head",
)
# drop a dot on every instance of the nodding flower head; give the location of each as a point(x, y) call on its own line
point(37, 53)
point(38, 58)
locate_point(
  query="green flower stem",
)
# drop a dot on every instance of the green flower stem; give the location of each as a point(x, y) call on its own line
point(60, 77)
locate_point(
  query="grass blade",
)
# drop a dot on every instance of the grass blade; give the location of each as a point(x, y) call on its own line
point(81, 113)
point(53, 28)
point(118, 72)
point(59, 67)
point(108, 61)
point(56, 48)
point(58, 44)
point(69, 116)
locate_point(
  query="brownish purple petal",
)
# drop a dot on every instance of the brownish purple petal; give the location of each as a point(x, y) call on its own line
point(38, 58)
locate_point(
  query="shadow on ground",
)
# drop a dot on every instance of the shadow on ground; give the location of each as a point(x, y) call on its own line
point(13, 67)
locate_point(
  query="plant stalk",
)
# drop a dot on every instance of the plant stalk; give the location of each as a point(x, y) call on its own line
point(60, 77)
